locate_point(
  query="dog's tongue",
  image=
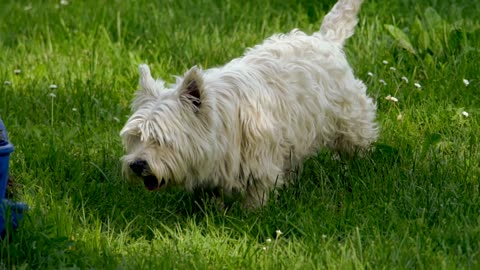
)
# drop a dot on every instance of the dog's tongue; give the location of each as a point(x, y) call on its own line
point(150, 182)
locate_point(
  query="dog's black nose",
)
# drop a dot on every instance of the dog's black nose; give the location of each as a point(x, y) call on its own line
point(138, 166)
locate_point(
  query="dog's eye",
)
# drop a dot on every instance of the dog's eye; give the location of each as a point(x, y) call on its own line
point(154, 141)
point(133, 139)
point(164, 143)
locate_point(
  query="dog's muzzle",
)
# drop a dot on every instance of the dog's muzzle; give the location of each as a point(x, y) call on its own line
point(141, 169)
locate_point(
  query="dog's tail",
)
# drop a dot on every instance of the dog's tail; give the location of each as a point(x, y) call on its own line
point(339, 24)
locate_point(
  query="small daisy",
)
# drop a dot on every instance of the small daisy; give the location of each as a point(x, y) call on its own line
point(382, 82)
point(53, 86)
point(417, 85)
point(7, 82)
point(17, 71)
point(64, 2)
point(52, 95)
point(278, 232)
point(370, 74)
point(391, 98)
point(74, 109)
point(405, 79)
point(268, 240)
point(324, 236)
point(400, 117)
point(393, 69)
point(466, 82)
point(464, 113)
point(385, 62)
point(264, 248)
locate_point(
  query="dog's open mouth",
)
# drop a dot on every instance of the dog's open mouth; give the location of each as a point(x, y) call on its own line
point(151, 182)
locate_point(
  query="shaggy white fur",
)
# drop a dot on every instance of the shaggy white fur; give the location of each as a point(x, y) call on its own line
point(243, 126)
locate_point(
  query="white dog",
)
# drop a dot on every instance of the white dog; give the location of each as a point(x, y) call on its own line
point(244, 126)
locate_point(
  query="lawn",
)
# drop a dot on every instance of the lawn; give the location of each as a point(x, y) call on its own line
point(68, 71)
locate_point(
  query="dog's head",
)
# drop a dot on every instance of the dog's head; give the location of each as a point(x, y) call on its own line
point(169, 134)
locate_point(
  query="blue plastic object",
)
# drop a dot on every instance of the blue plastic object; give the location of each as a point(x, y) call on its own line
point(10, 212)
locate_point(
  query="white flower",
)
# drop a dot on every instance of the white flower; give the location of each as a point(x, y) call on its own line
point(464, 113)
point(405, 79)
point(17, 71)
point(52, 95)
point(393, 69)
point(382, 82)
point(324, 236)
point(74, 109)
point(417, 85)
point(268, 240)
point(278, 232)
point(53, 86)
point(385, 62)
point(466, 82)
point(400, 117)
point(370, 74)
point(64, 2)
point(391, 98)
point(7, 82)
point(264, 248)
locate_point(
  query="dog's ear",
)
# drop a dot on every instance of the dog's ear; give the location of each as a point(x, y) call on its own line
point(191, 89)
point(147, 83)
point(149, 88)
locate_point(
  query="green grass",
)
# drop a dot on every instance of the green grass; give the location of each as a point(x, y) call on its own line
point(414, 203)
